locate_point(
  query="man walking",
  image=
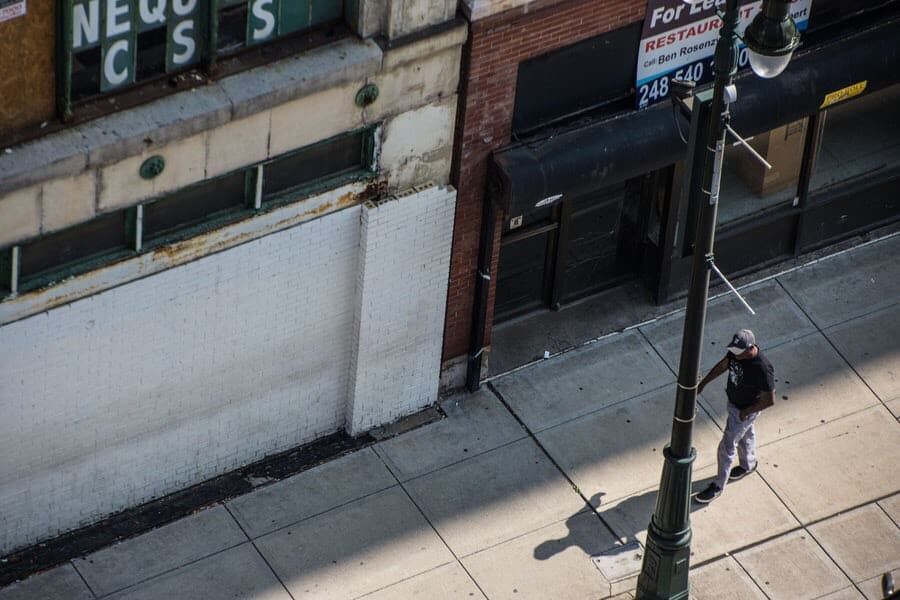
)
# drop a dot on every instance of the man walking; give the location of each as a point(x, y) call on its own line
point(750, 389)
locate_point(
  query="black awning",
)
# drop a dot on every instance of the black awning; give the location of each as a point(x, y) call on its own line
point(605, 153)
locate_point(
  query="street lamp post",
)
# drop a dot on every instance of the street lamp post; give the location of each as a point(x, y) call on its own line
point(771, 40)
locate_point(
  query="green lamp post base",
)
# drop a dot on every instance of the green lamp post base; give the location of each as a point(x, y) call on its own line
point(668, 548)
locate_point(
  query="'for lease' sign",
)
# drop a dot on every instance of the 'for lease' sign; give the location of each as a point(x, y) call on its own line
point(10, 9)
point(679, 39)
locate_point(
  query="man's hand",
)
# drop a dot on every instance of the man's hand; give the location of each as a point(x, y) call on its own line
point(717, 370)
point(766, 399)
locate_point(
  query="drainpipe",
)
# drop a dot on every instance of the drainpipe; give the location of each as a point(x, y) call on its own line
point(482, 288)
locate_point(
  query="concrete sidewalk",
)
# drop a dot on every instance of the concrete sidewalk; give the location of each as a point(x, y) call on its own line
point(514, 492)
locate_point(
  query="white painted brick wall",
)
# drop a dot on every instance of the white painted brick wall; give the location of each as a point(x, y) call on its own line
point(158, 384)
point(404, 261)
point(152, 386)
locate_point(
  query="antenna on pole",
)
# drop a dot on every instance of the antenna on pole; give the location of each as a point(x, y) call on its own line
point(715, 269)
point(749, 148)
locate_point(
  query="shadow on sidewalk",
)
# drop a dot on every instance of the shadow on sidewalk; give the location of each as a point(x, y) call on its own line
point(627, 520)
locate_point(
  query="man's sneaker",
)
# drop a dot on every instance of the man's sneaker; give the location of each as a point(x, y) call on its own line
point(709, 494)
point(739, 472)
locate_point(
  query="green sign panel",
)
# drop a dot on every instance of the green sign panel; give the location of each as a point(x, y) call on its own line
point(116, 27)
point(185, 34)
point(131, 33)
point(267, 19)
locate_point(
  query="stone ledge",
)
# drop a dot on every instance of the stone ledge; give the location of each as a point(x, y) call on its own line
point(348, 60)
point(111, 138)
point(503, 10)
point(413, 47)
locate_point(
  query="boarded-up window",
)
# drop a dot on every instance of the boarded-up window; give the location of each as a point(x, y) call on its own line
point(597, 73)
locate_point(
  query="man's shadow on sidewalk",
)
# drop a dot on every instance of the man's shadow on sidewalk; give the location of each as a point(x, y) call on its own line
point(626, 519)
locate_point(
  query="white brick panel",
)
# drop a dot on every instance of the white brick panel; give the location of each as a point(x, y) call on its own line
point(152, 386)
point(404, 261)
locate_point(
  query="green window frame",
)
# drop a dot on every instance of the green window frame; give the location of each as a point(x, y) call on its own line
point(111, 45)
point(322, 165)
point(51, 258)
point(188, 212)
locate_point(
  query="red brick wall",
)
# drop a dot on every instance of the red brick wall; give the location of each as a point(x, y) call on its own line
point(496, 46)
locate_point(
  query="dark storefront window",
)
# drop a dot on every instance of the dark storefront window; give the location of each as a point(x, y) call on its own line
point(593, 76)
point(831, 134)
point(860, 141)
point(834, 174)
point(830, 19)
point(748, 187)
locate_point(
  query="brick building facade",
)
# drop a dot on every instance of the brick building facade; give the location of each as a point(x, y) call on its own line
point(499, 40)
point(587, 192)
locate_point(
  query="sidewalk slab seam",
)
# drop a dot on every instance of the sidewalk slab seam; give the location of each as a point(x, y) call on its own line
point(891, 506)
point(617, 450)
point(311, 493)
point(793, 567)
point(548, 394)
point(546, 568)
point(477, 424)
point(584, 511)
point(380, 592)
point(362, 547)
point(238, 572)
point(159, 551)
point(501, 494)
point(403, 482)
point(856, 450)
point(61, 583)
point(605, 407)
point(863, 542)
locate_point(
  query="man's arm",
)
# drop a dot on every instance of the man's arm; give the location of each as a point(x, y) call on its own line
point(717, 370)
point(763, 401)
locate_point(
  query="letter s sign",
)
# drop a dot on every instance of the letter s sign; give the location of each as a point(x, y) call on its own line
point(261, 24)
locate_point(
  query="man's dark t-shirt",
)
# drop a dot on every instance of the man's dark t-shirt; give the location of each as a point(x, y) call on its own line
point(747, 378)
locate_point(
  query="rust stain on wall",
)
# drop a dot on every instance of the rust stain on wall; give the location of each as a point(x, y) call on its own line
point(184, 251)
point(202, 245)
point(27, 68)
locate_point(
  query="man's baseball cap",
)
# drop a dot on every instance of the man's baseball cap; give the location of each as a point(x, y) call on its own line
point(742, 341)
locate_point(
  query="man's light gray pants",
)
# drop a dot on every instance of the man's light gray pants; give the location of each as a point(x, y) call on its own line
point(738, 435)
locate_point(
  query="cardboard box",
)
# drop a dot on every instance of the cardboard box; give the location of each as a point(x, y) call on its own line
point(783, 148)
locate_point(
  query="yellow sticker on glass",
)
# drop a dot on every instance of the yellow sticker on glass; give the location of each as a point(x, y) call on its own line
point(844, 94)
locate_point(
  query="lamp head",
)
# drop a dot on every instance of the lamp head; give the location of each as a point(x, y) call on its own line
point(772, 38)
